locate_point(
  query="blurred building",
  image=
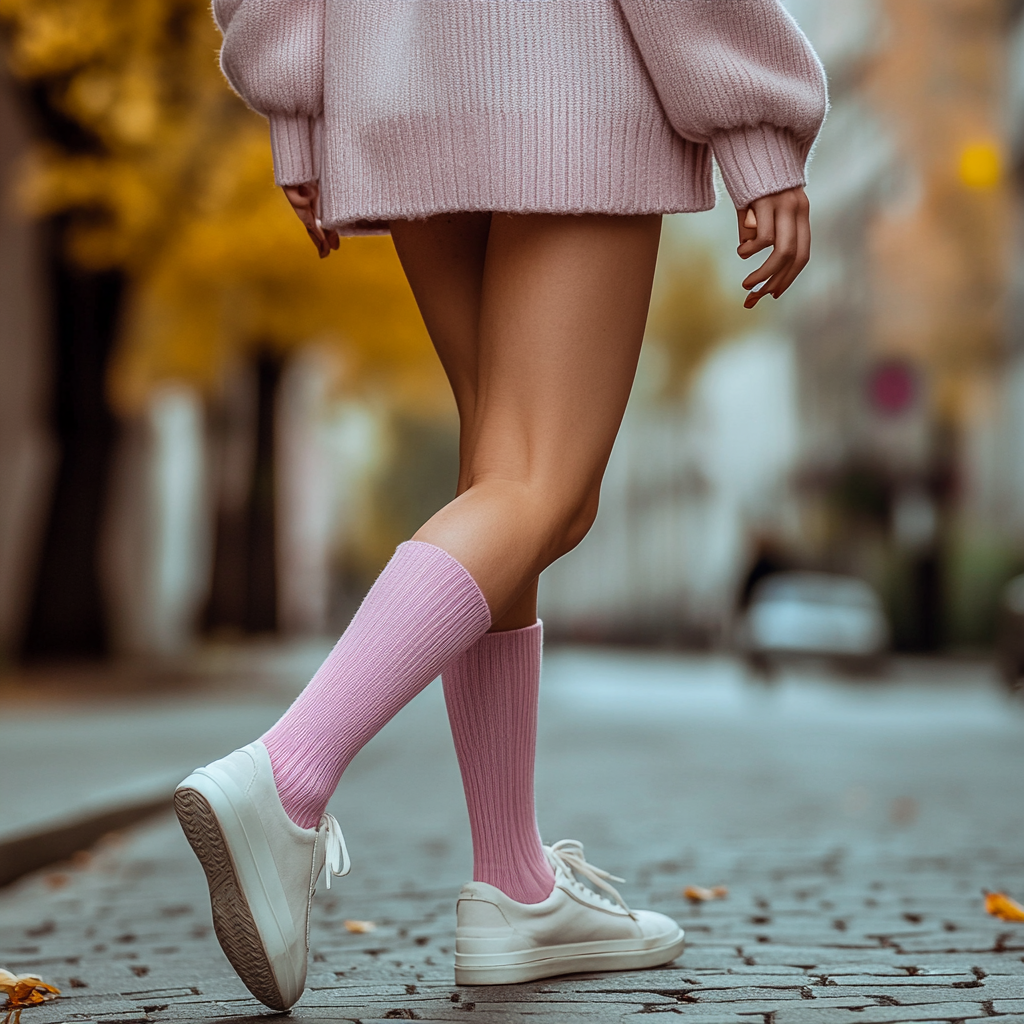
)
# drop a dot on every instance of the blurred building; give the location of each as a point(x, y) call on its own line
point(884, 440)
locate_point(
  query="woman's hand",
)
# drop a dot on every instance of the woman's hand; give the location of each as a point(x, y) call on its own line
point(304, 200)
point(781, 221)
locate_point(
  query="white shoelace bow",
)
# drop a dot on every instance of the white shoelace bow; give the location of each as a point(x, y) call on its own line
point(336, 860)
point(567, 855)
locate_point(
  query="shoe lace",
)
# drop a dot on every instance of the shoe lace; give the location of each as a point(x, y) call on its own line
point(336, 859)
point(567, 856)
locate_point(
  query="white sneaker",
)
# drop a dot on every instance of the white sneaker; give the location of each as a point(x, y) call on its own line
point(500, 942)
point(261, 867)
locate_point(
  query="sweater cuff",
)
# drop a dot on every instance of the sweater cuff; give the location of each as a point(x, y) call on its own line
point(291, 139)
point(759, 161)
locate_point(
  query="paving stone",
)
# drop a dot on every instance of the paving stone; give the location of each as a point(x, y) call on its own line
point(902, 980)
point(947, 1011)
point(912, 995)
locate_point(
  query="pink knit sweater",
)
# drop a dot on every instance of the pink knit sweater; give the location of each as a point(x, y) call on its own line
point(407, 108)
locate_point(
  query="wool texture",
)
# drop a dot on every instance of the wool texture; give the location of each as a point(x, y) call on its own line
point(491, 691)
point(407, 108)
point(424, 610)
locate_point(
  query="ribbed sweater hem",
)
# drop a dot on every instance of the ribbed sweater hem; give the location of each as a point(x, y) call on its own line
point(537, 162)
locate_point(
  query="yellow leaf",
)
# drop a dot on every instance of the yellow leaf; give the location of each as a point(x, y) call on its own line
point(998, 904)
point(25, 990)
point(699, 894)
point(360, 927)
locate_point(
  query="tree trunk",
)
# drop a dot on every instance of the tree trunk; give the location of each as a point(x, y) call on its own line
point(261, 602)
point(67, 616)
point(243, 590)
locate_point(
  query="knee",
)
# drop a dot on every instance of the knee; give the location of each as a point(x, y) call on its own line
point(553, 515)
point(574, 525)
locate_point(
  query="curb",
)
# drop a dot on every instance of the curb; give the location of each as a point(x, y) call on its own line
point(55, 839)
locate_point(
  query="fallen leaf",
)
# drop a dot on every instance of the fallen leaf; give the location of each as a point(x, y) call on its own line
point(82, 859)
point(111, 841)
point(360, 927)
point(698, 894)
point(25, 990)
point(998, 904)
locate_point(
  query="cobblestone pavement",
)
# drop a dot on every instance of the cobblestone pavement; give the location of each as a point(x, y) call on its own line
point(855, 825)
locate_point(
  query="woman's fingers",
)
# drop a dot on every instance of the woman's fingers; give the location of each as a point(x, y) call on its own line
point(754, 296)
point(759, 229)
point(303, 199)
point(747, 226)
point(782, 236)
point(783, 222)
point(783, 253)
point(803, 256)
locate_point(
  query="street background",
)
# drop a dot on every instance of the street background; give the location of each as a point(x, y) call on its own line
point(210, 443)
point(855, 828)
point(205, 434)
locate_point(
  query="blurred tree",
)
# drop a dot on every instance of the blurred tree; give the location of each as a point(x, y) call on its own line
point(691, 313)
point(173, 256)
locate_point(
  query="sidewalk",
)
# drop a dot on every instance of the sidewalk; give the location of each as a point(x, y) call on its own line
point(87, 750)
point(855, 825)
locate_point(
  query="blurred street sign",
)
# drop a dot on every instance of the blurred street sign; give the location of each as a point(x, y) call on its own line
point(893, 387)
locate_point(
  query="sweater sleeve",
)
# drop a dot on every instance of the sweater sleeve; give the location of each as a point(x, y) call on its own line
point(741, 76)
point(273, 58)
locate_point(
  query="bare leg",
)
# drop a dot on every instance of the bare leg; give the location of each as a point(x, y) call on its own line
point(443, 258)
point(560, 311)
point(522, 312)
point(563, 303)
point(444, 261)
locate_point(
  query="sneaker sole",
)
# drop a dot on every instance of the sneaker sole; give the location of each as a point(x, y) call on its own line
point(232, 917)
point(570, 963)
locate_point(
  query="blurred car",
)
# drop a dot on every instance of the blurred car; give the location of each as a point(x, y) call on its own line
point(1010, 641)
point(814, 614)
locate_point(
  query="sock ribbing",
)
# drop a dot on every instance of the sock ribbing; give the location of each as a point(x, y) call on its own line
point(423, 610)
point(491, 691)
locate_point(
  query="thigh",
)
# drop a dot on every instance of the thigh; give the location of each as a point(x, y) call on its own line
point(443, 259)
point(562, 318)
point(562, 315)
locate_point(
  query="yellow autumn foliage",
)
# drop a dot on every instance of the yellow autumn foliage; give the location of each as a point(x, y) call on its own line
point(168, 177)
point(691, 314)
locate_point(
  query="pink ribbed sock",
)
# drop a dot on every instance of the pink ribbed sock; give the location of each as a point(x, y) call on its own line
point(491, 691)
point(424, 610)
